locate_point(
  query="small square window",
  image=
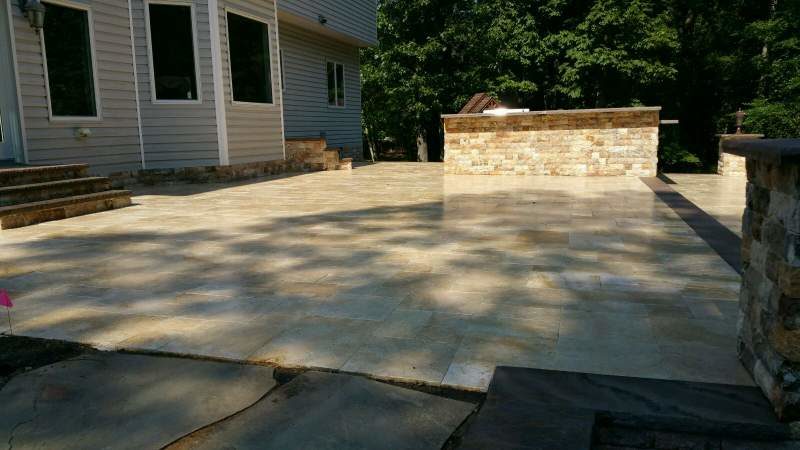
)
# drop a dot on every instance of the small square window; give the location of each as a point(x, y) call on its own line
point(248, 44)
point(172, 52)
point(335, 84)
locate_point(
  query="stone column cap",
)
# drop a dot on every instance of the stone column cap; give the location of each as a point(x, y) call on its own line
point(775, 151)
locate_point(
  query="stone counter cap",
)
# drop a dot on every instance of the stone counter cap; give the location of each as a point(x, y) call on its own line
point(558, 112)
point(773, 151)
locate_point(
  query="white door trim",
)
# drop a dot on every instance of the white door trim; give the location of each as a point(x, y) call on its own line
point(21, 154)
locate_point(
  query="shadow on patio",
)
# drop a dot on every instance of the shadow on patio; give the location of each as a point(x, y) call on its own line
point(604, 280)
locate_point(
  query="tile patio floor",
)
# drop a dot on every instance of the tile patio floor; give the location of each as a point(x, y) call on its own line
point(393, 270)
point(721, 197)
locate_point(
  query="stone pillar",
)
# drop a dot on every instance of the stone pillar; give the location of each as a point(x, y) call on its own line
point(769, 328)
point(729, 164)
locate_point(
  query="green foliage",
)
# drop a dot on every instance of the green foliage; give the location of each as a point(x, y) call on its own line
point(775, 112)
point(698, 59)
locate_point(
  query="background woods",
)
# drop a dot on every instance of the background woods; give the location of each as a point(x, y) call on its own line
point(699, 59)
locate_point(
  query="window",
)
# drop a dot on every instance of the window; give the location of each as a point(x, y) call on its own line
point(248, 47)
point(68, 61)
point(335, 84)
point(173, 64)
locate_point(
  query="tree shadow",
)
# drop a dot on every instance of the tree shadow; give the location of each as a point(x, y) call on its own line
point(482, 272)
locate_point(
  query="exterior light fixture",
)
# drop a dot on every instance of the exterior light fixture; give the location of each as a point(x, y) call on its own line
point(34, 11)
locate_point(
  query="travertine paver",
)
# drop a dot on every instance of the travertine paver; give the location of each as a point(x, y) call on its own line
point(721, 197)
point(394, 270)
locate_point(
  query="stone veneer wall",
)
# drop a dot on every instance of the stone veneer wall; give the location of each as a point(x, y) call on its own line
point(619, 141)
point(732, 165)
point(769, 331)
point(312, 152)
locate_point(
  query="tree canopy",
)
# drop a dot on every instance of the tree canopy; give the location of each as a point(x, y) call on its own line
point(699, 59)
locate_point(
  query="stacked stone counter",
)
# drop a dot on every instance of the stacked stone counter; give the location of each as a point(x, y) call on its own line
point(769, 332)
point(617, 141)
point(730, 165)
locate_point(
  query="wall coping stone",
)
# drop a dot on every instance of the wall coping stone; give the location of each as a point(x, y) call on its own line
point(556, 112)
point(773, 151)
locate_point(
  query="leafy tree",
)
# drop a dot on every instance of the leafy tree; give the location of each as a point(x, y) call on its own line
point(698, 59)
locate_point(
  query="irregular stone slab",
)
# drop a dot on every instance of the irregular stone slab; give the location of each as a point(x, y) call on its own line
point(335, 411)
point(110, 400)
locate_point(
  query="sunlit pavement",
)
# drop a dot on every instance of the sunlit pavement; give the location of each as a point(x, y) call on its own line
point(396, 271)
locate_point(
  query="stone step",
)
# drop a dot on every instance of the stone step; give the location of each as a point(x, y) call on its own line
point(62, 208)
point(37, 192)
point(345, 164)
point(14, 176)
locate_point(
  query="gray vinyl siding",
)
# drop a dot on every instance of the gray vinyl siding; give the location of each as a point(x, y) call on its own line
point(114, 143)
point(177, 135)
point(306, 110)
point(356, 18)
point(254, 131)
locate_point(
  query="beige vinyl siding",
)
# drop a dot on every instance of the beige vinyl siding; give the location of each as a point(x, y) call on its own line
point(254, 131)
point(114, 143)
point(177, 135)
point(306, 110)
point(356, 18)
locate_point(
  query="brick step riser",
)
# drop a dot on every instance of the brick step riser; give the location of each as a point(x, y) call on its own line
point(53, 192)
point(63, 212)
point(19, 178)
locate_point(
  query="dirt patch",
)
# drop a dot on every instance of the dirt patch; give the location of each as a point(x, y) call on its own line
point(19, 354)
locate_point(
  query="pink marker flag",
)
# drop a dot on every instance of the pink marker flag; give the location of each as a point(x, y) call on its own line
point(5, 300)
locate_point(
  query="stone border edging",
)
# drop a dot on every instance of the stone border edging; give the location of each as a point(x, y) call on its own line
point(726, 243)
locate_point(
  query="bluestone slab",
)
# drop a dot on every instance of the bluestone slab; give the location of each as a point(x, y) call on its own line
point(123, 401)
point(335, 411)
point(534, 408)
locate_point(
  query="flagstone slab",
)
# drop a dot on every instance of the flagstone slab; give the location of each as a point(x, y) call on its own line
point(335, 411)
point(545, 409)
point(122, 401)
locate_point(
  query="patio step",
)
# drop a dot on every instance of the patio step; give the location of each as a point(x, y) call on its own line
point(37, 192)
point(345, 164)
point(14, 176)
point(62, 208)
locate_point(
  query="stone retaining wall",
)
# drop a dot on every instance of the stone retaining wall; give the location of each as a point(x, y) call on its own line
point(769, 332)
point(618, 141)
point(206, 174)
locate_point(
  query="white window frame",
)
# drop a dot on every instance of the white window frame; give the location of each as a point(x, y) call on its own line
point(151, 68)
point(344, 84)
point(269, 55)
point(97, 103)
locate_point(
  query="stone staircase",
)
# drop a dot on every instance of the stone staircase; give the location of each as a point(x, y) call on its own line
point(315, 154)
point(35, 194)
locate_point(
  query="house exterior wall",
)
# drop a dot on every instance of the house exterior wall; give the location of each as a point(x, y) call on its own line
point(255, 132)
point(114, 141)
point(354, 18)
point(177, 135)
point(621, 141)
point(306, 111)
point(133, 132)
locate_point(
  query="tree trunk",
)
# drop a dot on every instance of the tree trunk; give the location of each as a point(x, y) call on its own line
point(422, 147)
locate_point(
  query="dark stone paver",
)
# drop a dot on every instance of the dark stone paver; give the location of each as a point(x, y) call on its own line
point(726, 243)
point(544, 409)
point(335, 411)
point(110, 400)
